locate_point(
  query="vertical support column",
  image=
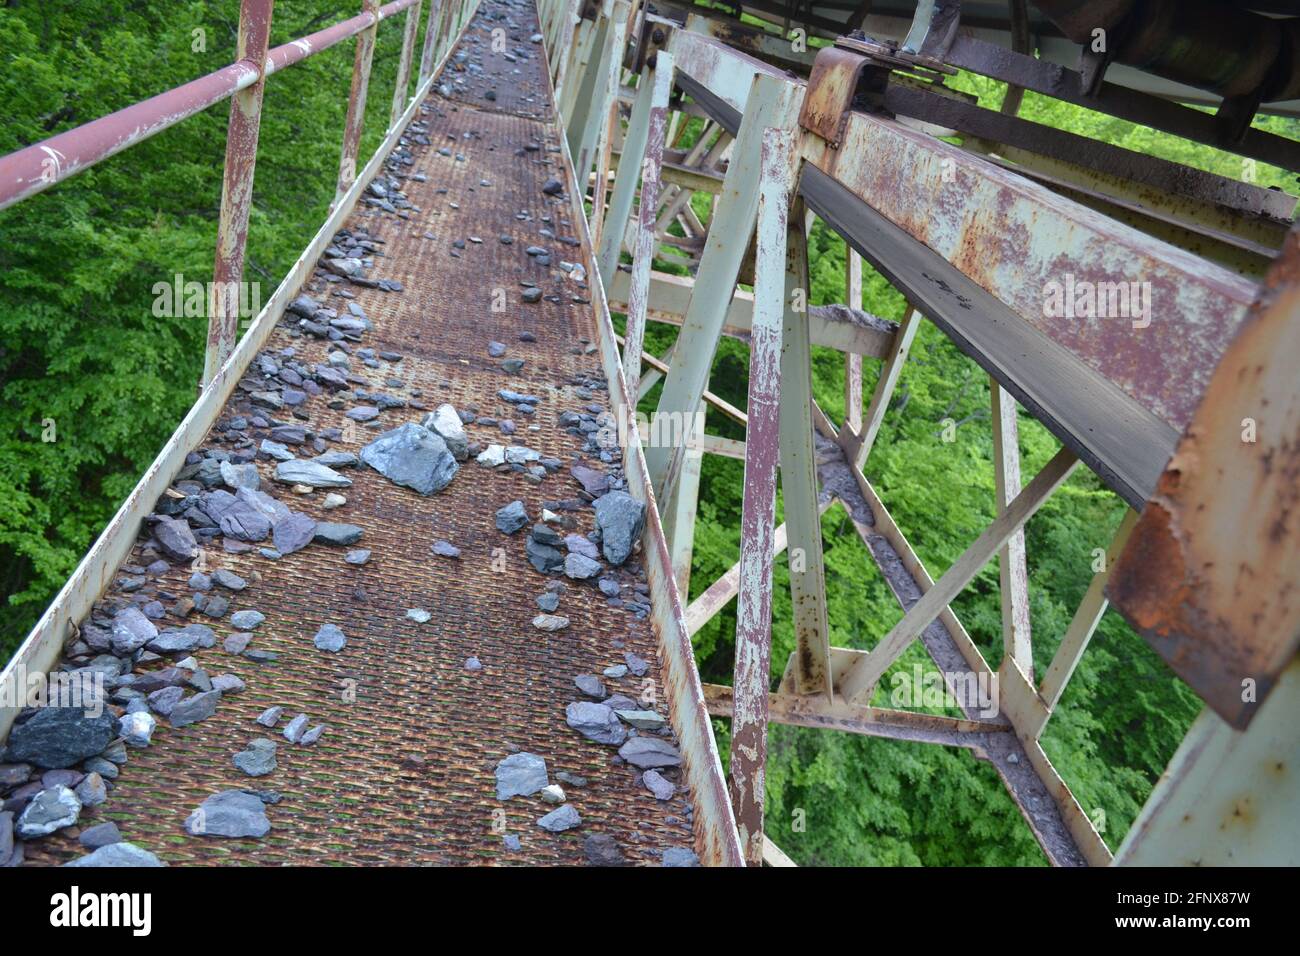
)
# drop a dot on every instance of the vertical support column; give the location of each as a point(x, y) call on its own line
point(357, 101)
point(799, 473)
point(403, 84)
point(758, 512)
point(643, 152)
point(853, 361)
point(772, 102)
point(569, 30)
point(237, 188)
point(858, 447)
point(1012, 572)
point(604, 92)
point(679, 515)
point(428, 56)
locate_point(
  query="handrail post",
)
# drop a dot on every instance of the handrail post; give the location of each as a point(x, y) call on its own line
point(237, 188)
point(402, 87)
point(357, 100)
point(431, 29)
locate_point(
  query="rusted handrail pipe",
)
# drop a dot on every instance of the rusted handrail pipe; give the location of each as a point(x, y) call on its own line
point(33, 169)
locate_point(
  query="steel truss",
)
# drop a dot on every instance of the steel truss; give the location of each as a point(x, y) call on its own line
point(970, 234)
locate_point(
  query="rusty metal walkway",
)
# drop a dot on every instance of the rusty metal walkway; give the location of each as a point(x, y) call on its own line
point(404, 772)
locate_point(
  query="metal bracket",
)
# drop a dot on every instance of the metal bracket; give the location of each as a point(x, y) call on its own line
point(832, 88)
point(653, 36)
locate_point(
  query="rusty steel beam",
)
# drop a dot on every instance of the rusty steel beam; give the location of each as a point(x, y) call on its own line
point(403, 82)
point(1209, 576)
point(237, 188)
point(33, 169)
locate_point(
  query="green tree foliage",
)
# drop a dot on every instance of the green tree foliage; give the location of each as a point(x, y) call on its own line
point(80, 345)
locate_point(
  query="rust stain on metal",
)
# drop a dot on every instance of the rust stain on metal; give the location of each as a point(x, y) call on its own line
point(1209, 574)
point(831, 88)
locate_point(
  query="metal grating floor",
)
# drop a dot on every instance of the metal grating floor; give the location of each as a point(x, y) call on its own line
point(404, 775)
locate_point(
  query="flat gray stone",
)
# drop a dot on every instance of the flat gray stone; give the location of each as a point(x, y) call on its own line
point(131, 631)
point(560, 819)
point(641, 719)
point(193, 709)
point(656, 784)
point(271, 716)
point(304, 472)
point(511, 518)
point(231, 813)
point(100, 835)
point(187, 638)
point(358, 557)
point(412, 456)
point(117, 855)
point(175, 539)
point(329, 638)
point(580, 567)
point(293, 532)
point(520, 775)
point(258, 759)
point(339, 535)
point(295, 728)
point(595, 722)
point(246, 620)
point(646, 753)
point(590, 685)
point(680, 856)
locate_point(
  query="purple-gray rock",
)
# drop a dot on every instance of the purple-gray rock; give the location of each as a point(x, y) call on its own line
point(131, 631)
point(330, 638)
point(656, 784)
point(117, 855)
point(293, 533)
point(590, 685)
point(562, 818)
point(258, 759)
point(100, 835)
point(246, 620)
point(298, 471)
point(580, 568)
point(187, 638)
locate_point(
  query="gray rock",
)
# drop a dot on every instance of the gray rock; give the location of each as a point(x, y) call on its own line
point(621, 519)
point(239, 476)
point(187, 638)
point(511, 518)
point(656, 784)
point(228, 580)
point(542, 557)
point(175, 539)
point(580, 568)
point(295, 728)
point(358, 557)
point(276, 450)
point(246, 620)
point(650, 752)
point(50, 810)
point(330, 638)
point(236, 643)
point(100, 835)
point(137, 728)
point(339, 535)
point(639, 666)
point(590, 685)
point(601, 849)
point(92, 791)
point(548, 602)
point(227, 684)
point(577, 544)
point(117, 855)
point(231, 813)
point(412, 456)
point(162, 701)
point(521, 774)
point(642, 719)
point(258, 759)
point(447, 424)
point(680, 856)
point(550, 622)
point(473, 664)
point(445, 549)
point(301, 472)
point(56, 737)
point(293, 533)
point(595, 722)
point(311, 736)
point(102, 767)
point(614, 672)
point(419, 615)
point(193, 709)
point(271, 716)
point(560, 819)
point(131, 631)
